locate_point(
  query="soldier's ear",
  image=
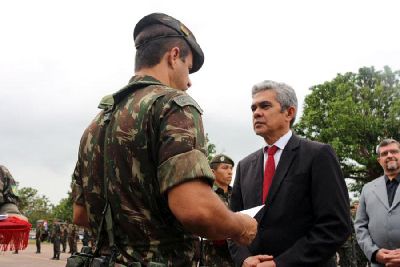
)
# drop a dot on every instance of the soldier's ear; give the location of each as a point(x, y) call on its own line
point(173, 57)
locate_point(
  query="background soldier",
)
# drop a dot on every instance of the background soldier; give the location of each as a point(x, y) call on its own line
point(360, 258)
point(9, 194)
point(86, 237)
point(347, 252)
point(72, 235)
point(38, 236)
point(64, 236)
point(216, 252)
point(56, 238)
point(8, 205)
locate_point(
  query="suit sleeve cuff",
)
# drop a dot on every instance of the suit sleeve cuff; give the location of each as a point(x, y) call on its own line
point(373, 256)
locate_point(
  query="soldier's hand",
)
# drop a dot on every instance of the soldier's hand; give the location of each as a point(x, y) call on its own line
point(249, 229)
point(254, 261)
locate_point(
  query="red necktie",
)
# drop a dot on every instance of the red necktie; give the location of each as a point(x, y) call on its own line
point(269, 171)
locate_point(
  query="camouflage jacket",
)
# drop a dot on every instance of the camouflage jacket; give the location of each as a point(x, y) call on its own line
point(39, 231)
point(225, 197)
point(154, 140)
point(216, 252)
point(8, 192)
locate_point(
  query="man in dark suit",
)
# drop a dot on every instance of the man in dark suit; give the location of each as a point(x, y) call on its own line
point(306, 214)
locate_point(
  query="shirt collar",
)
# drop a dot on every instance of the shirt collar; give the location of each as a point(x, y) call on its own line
point(282, 141)
point(397, 179)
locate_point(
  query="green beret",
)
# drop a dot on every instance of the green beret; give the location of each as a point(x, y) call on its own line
point(221, 158)
point(179, 27)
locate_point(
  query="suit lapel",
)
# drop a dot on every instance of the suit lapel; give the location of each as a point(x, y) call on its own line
point(381, 192)
point(288, 154)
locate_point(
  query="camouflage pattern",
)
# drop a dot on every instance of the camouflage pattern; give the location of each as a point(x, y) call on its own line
point(56, 239)
point(216, 253)
point(154, 141)
point(72, 238)
point(64, 237)
point(86, 238)
point(38, 236)
point(350, 253)
point(8, 192)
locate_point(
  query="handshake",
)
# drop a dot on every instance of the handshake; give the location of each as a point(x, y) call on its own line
point(248, 226)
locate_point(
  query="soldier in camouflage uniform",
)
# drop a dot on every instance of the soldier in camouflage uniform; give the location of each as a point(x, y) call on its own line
point(64, 236)
point(9, 194)
point(72, 236)
point(350, 253)
point(149, 142)
point(361, 259)
point(56, 239)
point(216, 252)
point(38, 236)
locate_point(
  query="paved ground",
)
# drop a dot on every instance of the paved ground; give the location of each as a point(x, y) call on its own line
point(28, 257)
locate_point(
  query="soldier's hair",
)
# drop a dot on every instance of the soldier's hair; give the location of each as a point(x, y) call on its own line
point(386, 142)
point(285, 95)
point(149, 54)
point(214, 165)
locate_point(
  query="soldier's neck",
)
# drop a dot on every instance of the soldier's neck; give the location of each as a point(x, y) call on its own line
point(158, 72)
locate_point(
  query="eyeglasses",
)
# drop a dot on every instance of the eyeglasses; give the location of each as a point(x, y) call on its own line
point(391, 151)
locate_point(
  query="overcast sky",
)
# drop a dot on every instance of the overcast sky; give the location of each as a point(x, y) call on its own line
point(58, 58)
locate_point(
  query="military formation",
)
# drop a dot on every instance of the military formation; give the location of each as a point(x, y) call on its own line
point(60, 234)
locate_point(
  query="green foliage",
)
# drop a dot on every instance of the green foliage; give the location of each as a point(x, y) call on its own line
point(353, 113)
point(211, 149)
point(63, 210)
point(34, 206)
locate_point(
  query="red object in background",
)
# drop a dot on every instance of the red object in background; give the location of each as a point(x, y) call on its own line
point(14, 234)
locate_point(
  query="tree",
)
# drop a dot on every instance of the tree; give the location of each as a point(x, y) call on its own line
point(63, 210)
point(353, 113)
point(34, 206)
point(211, 149)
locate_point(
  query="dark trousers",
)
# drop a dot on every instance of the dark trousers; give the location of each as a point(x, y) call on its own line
point(56, 248)
point(38, 244)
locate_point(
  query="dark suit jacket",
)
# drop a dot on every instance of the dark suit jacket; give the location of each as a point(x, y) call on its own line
point(306, 215)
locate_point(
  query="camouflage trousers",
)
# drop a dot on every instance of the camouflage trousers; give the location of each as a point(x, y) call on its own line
point(216, 254)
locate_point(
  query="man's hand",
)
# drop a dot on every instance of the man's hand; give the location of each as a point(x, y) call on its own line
point(253, 261)
point(249, 231)
point(393, 258)
point(267, 264)
point(382, 254)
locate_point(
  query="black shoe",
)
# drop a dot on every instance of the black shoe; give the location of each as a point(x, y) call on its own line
point(37, 252)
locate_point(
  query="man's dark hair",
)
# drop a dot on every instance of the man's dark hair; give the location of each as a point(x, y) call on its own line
point(214, 165)
point(151, 45)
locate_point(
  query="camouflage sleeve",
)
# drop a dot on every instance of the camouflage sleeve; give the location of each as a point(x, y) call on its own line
point(8, 192)
point(76, 185)
point(182, 155)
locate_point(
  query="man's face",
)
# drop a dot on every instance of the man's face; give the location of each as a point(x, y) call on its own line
point(389, 158)
point(180, 76)
point(223, 174)
point(268, 120)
